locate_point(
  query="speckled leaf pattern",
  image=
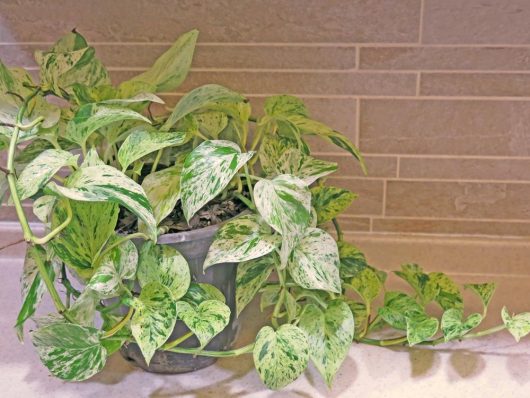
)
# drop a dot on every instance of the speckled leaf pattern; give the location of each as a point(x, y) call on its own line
point(315, 262)
point(367, 284)
point(162, 189)
point(141, 97)
point(330, 334)
point(154, 318)
point(398, 307)
point(285, 204)
point(454, 327)
point(425, 287)
point(329, 202)
point(449, 295)
point(269, 296)
point(353, 261)
point(92, 159)
point(43, 206)
point(105, 183)
point(250, 277)
point(171, 68)
point(41, 169)
point(243, 238)
point(280, 356)
point(212, 123)
point(164, 264)
point(420, 328)
point(92, 225)
point(485, 291)
point(206, 320)
point(144, 140)
point(518, 325)
point(83, 310)
point(92, 117)
point(273, 146)
point(285, 105)
point(199, 292)
point(207, 171)
point(360, 316)
point(70, 352)
point(200, 98)
point(120, 263)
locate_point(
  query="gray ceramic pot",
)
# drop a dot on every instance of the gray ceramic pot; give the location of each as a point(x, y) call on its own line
point(193, 245)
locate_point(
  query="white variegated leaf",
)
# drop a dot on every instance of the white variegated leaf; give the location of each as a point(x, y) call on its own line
point(199, 292)
point(454, 327)
point(250, 277)
point(243, 238)
point(43, 206)
point(141, 97)
point(83, 310)
point(314, 263)
point(92, 159)
point(518, 325)
point(212, 123)
point(162, 188)
point(207, 171)
point(39, 171)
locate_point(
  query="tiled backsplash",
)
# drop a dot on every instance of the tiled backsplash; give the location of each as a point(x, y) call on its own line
point(436, 93)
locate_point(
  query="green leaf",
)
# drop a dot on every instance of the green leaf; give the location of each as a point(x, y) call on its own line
point(449, 295)
point(141, 97)
point(43, 207)
point(518, 325)
point(200, 98)
point(367, 284)
point(353, 261)
point(78, 244)
point(329, 202)
point(243, 238)
point(92, 117)
point(426, 287)
point(83, 310)
point(105, 183)
point(70, 352)
point(280, 356)
point(207, 171)
point(291, 306)
point(329, 334)
point(453, 327)
point(269, 296)
point(154, 318)
point(41, 169)
point(164, 264)
point(144, 140)
point(212, 123)
point(273, 147)
point(285, 105)
point(171, 68)
point(199, 292)
point(485, 291)
point(285, 204)
point(250, 277)
point(162, 189)
point(206, 320)
point(315, 262)
point(420, 328)
point(360, 316)
point(398, 307)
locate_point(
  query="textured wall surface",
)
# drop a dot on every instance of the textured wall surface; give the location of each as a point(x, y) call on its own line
point(435, 92)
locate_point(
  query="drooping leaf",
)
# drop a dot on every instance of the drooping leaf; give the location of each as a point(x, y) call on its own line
point(426, 287)
point(314, 263)
point(207, 170)
point(105, 183)
point(154, 318)
point(518, 325)
point(162, 189)
point(420, 327)
point(244, 238)
point(250, 277)
point(41, 169)
point(292, 308)
point(449, 295)
point(206, 320)
point(165, 265)
point(367, 284)
point(330, 334)
point(329, 202)
point(171, 68)
point(199, 292)
point(69, 351)
point(144, 140)
point(285, 105)
point(454, 327)
point(485, 291)
point(285, 204)
point(280, 356)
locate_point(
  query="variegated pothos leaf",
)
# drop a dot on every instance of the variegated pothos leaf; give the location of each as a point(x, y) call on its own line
point(162, 189)
point(250, 277)
point(199, 292)
point(454, 327)
point(485, 291)
point(329, 202)
point(518, 325)
point(43, 207)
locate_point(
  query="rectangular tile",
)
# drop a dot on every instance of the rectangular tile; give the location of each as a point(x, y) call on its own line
point(445, 127)
point(476, 21)
point(465, 227)
point(458, 200)
point(479, 84)
point(370, 195)
point(465, 169)
point(378, 166)
point(348, 223)
point(445, 58)
point(307, 21)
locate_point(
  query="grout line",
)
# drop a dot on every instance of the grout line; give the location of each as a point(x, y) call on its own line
point(357, 122)
point(418, 84)
point(422, 218)
point(434, 156)
point(398, 166)
point(425, 179)
point(357, 58)
point(371, 226)
point(384, 197)
point(422, 12)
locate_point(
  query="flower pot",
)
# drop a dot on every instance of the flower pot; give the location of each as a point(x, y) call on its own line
point(193, 245)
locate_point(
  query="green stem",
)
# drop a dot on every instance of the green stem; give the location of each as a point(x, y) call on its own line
point(116, 328)
point(56, 231)
point(157, 160)
point(217, 354)
point(249, 183)
point(177, 341)
point(119, 242)
point(245, 200)
point(340, 235)
point(66, 283)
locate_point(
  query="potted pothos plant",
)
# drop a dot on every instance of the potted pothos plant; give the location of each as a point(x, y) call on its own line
point(162, 227)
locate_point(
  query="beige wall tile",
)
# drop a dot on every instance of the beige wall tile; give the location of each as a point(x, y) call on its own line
point(348, 223)
point(479, 84)
point(458, 200)
point(378, 166)
point(305, 21)
point(465, 169)
point(370, 194)
point(446, 127)
point(445, 58)
point(476, 21)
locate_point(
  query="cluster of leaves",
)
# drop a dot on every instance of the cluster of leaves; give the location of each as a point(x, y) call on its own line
point(105, 152)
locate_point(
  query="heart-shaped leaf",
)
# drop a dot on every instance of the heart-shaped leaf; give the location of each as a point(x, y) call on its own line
point(199, 292)
point(329, 202)
point(314, 263)
point(280, 356)
point(206, 320)
point(453, 327)
point(164, 264)
point(285, 105)
point(329, 334)
point(485, 291)
point(518, 325)
point(251, 275)
point(154, 318)
point(398, 307)
point(420, 327)
point(449, 295)
point(207, 171)
point(162, 188)
point(367, 284)
point(243, 238)
point(425, 287)
point(69, 351)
